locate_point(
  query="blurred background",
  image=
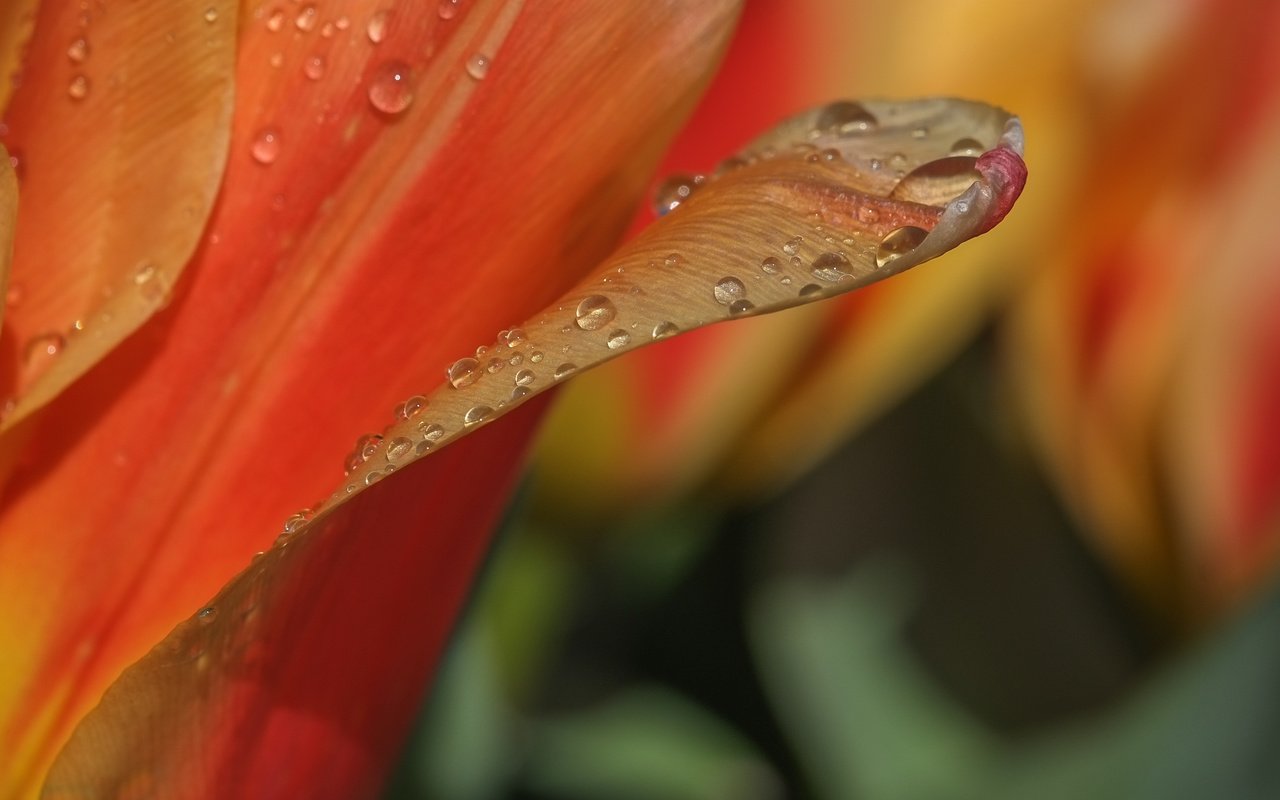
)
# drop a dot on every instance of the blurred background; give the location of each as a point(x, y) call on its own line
point(1003, 527)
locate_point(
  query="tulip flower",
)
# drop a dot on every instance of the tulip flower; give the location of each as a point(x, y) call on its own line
point(238, 282)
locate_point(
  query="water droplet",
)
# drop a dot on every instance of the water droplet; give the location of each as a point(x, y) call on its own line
point(306, 19)
point(398, 448)
point(410, 408)
point(78, 51)
point(937, 182)
point(342, 23)
point(276, 60)
point(463, 372)
point(516, 360)
point(144, 273)
point(792, 245)
point(430, 431)
point(207, 615)
point(372, 478)
point(594, 312)
point(478, 66)
point(831, 267)
point(475, 415)
point(44, 346)
point(519, 393)
point(664, 329)
point(810, 290)
point(728, 289)
point(675, 190)
point(770, 266)
point(536, 356)
point(275, 22)
point(741, 306)
point(377, 27)
point(868, 215)
point(78, 89)
point(671, 261)
point(448, 9)
point(525, 377)
point(296, 521)
point(565, 370)
point(391, 88)
point(266, 146)
point(967, 147)
point(619, 338)
point(920, 132)
point(898, 242)
point(494, 365)
point(845, 118)
point(514, 337)
point(313, 67)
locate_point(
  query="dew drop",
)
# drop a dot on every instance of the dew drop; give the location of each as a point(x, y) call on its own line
point(831, 267)
point(448, 9)
point(728, 289)
point(372, 478)
point(275, 22)
point(44, 346)
point(266, 146)
point(594, 312)
point(207, 615)
point(565, 370)
point(430, 431)
point(675, 190)
point(810, 290)
point(397, 449)
point(741, 307)
point(618, 338)
point(377, 27)
point(78, 51)
point(898, 242)
point(478, 66)
point(494, 365)
point(671, 261)
point(845, 118)
point(792, 245)
point(514, 337)
point(664, 329)
point(937, 182)
point(519, 393)
point(391, 88)
point(770, 266)
point(78, 89)
point(536, 356)
point(525, 377)
point(475, 415)
point(306, 19)
point(463, 372)
point(967, 147)
point(314, 67)
point(410, 408)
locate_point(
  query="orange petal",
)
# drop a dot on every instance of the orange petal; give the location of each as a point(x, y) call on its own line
point(120, 126)
point(284, 679)
point(351, 252)
point(17, 20)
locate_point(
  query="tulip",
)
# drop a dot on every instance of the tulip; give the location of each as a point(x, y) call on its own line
point(243, 287)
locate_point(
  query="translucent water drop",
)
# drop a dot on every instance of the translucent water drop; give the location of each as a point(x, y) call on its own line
point(314, 67)
point(296, 521)
point(937, 182)
point(898, 242)
point(372, 478)
point(967, 147)
point(810, 290)
point(207, 615)
point(266, 146)
point(211, 15)
point(144, 273)
point(741, 307)
point(675, 190)
point(478, 66)
point(448, 9)
point(377, 27)
point(770, 266)
point(618, 338)
point(397, 449)
point(845, 118)
point(565, 370)
point(481, 350)
point(275, 22)
point(514, 337)
point(519, 393)
point(78, 50)
point(516, 360)
point(920, 132)
point(391, 87)
point(525, 377)
point(475, 415)
point(78, 89)
point(792, 245)
point(671, 261)
point(728, 289)
point(831, 267)
point(594, 312)
point(463, 372)
point(664, 329)
point(44, 346)
point(430, 431)
point(410, 408)
point(306, 19)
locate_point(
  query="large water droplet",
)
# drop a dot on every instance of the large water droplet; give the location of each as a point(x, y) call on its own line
point(391, 87)
point(525, 377)
point(831, 267)
point(675, 190)
point(514, 337)
point(770, 266)
point(937, 182)
point(207, 615)
point(398, 448)
point(618, 338)
point(478, 66)
point(475, 415)
point(898, 242)
point(266, 146)
point(792, 245)
point(810, 290)
point(728, 289)
point(845, 118)
point(410, 408)
point(463, 372)
point(967, 147)
point(377, 27)
point(594, 312)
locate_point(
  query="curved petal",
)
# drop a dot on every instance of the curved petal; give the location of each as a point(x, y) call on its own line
point(353, 248)
point(120, 125)
point(17, 20)
point(344, 580)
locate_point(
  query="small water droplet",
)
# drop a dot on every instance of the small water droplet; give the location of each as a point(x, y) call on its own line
point(78, 51)
point(207, 615)
point(920, 132)
point(831, 266)
point(463, 372)
point(314, 67)
point(898, 242)
point(619, 338)
point(565, 370)
point(44, 346)
point(144, 273)
point(410, 408)
point(594, 312)
point(671, 261)
point(448, 9)
point(266, 146)
point(211, 15)
point(741, 307)
point(664, 329)
point(792, 245)
point(675, 190)
point(275, 22)
point(377, 27)
point(372, 478)
point(845, 118)
point(728, 289)
point(514, 337)
point(525, 377)
point(306, 19)
point(430, 431)
point(536, 356)
point(516, 360)
point(398, 448)
point(810, 290)
point(967, 147)
point(475, 415)
point(391, 88)
point(78, 89)
point(770, 266)
point(494, 365)
point(478, 66)
point(519, 393)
